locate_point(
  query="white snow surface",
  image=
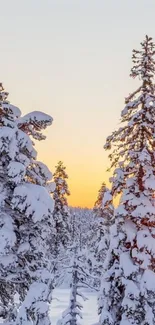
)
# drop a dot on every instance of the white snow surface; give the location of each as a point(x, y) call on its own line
point(37, 201)
point(148, 280)
point(107, 197)
point(127, 265)
point(35, 116)
point(14, 110)
point(60, 303)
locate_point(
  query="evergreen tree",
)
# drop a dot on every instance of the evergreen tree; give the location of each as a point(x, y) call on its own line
point(61, 210)
point(103, 205)
point(79, 280)
point(25, 207)
point(80, 223)
point(99, 239)
point(129, 279)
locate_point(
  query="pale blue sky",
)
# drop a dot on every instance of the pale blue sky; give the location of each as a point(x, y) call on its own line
point(72, 59)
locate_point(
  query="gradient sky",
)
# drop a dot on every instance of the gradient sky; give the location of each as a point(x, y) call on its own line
point(72, 59)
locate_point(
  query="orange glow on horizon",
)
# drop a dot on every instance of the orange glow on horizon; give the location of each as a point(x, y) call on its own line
point(84, 178)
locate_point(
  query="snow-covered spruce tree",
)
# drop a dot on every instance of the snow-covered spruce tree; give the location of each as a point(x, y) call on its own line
point(79, 280)
point(103, 219)
point(61, 210)
point(25, 207)
point(104, 199)
point(129, 281)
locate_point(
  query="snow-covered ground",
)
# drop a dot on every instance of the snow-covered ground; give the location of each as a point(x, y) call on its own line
point(60, 303)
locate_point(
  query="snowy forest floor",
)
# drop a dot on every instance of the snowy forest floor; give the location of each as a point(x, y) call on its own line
point(61, 300)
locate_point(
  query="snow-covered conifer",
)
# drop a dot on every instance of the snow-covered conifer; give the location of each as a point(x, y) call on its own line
point(25, 205)
point(129, 279)
point(103, 202)
point(61, 210)
point(103, 219)
point(79, 279)
point(80, 225)
point(98, 244)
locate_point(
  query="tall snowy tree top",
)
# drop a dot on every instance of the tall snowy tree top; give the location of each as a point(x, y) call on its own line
point(60, 177)
point(32, 123)
point(133, 143)
point(17, 153)
point(16, 143)
point(61, 211)
point(103, 206)
point(7, 110)
point(144, 64)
